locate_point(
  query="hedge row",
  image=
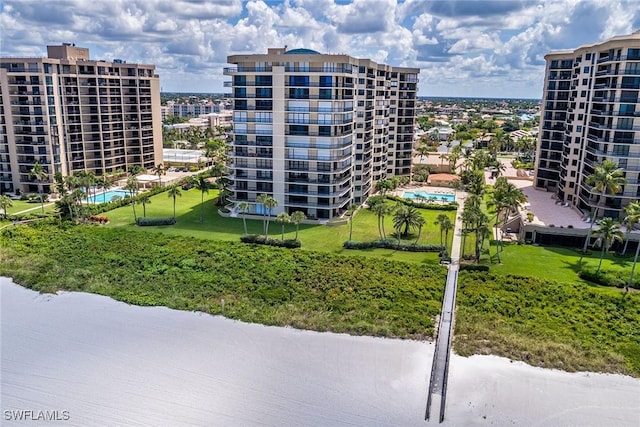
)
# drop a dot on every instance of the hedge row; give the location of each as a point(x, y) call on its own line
point(619, 279)
point(264, 240)
point(393, 244)
point(474, 267)
point(452, 206)
point(144, 221)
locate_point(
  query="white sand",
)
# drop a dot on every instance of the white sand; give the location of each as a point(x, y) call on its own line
point(108, 363)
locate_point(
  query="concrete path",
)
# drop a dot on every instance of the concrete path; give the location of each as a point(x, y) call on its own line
point(440, 367)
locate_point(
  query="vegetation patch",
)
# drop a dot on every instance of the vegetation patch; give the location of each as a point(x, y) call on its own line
point(262, 284)
point(617, 278)
point(264, 240)
point(143, 221)
point(570, 326)
point(393, 244)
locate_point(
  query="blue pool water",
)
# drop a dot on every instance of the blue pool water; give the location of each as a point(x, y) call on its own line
point(106, 197)
point(424, 195)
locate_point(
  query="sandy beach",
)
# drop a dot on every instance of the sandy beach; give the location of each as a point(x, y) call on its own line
point(108, 363)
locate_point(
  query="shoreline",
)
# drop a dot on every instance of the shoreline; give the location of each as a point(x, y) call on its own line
point(111, 362)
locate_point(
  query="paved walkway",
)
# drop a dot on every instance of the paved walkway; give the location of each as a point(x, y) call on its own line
point(440, 367)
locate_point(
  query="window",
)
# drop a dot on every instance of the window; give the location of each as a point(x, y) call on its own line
point(585, 82)
point(587, 56)
point(239, 80)
point(575, 151)
point(579, 128)
point(299, 81)
point(586, 70)
point(325, 94)
point(240, 92)
point(298, 93)
point(263, 92)
point(326, 81)
point(263, 80)
point(633, 54)
point(263, 105)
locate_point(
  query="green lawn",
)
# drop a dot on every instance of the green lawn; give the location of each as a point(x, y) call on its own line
point(328, 238)
point(22, 205)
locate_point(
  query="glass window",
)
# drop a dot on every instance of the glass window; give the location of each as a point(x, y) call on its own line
point(326, 81)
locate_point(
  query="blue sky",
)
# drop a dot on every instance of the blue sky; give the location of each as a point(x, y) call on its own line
point(463, 48)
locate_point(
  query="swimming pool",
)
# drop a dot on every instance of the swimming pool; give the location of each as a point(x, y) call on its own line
point(107, 197)
point(423, 195)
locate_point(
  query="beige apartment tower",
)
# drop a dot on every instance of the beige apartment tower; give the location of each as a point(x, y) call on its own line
point(70, 113)
point(590, 112)
point(317, 131)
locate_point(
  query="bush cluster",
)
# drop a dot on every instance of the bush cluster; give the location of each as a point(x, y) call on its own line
point(102, 219)
point(393, 244)
point(607, 277)
point(144, 221)
point(433, 206)
point(263, 240)
point(474, 267)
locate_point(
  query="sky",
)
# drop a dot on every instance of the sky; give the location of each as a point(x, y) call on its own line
point(463, 48)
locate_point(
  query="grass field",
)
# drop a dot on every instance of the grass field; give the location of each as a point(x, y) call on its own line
point(22, 205)
point(571, 326)
point(314, 237)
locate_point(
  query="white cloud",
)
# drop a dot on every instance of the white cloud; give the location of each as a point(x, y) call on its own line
point(465, 47)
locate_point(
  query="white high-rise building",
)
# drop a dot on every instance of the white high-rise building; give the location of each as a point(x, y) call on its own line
point(317, 131)
point(70, 113)
point(591, 112)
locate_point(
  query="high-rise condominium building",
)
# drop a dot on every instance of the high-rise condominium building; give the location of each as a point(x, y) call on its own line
point(316, 131)
point(590, 112)
point(69, 113)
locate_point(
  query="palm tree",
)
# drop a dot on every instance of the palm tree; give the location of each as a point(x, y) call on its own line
point(174, 192)
point(447, 226)
point(420, 223)
point(297, 217)
point(132, 188)
point(144, 200)
point(608, 232)
point(268, 203)
point(243, 208)
point(283, 218)
point(606, 178)
point(351, 211)
point(407, 217)
point(262, 199)
point(5, 203)
point(633, 217)
point(201, 184)
point(159, 170)
point(381, 209)
point(135, 170)
point(423, 150)
point(37, 173)
point(439, 221)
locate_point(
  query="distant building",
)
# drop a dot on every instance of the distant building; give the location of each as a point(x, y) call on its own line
point(591, 112)
point(317, 131)
point(70, 113)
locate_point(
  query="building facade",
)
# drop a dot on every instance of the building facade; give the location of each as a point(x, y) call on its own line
point(317, 131)
point(590, 112)
point(70, 113)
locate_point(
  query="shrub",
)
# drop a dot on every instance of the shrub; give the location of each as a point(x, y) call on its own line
point(259, 239)
point(606, 277)
point(102, 219)
point(529, 216)
point(393, 244)
point(474, 267)
point(142, 221)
